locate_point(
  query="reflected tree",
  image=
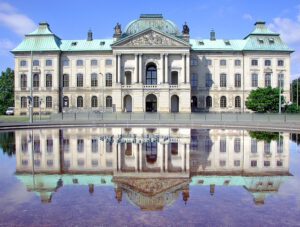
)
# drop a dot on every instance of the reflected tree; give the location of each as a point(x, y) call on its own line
point(7, 143)
point(265, 136)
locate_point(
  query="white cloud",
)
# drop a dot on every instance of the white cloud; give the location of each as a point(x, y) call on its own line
point(247, 16)
point(6, 46)
point(17, 22)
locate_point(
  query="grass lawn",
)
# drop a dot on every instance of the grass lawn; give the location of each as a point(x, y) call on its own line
point(10, 119)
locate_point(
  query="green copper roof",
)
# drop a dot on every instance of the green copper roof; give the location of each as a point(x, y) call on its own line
point(262, 29)
point(43, 29)
point(217, 45)
point(151, 21)
point(84, 45)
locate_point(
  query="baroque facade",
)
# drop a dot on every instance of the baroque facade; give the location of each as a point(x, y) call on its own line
point(150, 67)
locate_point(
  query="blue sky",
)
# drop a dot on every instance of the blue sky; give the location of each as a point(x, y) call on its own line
point(231, 19)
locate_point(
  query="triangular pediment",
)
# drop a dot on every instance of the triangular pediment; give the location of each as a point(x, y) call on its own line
point(151, 38)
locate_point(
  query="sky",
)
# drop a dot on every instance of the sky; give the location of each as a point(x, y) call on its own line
point(231, 19)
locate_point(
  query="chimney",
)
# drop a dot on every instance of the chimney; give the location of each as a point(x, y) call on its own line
point(212, 35)
point(90, 35)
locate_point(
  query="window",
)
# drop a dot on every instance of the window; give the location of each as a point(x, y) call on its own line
point(222, 62)
point(48, 62)
point(267, 148)
point(208, 62)
point(222, 163)
point(208, 102)
point(223, 102)
point(23, 81)
point(279, 163)
point(194, 80)
point(94, 62)
point(174, 78)
point(280, 146)
point(80, 145)
point(23, 63)
point(66, 145)
point(267, 163)
point(237, 80)
point(108, 147)
point(223, 80)
point(271, 41)
point(66, 101)
point(260, 41)
point(207, 145)
point(237, 163)
point(36, 81)
point(48, 80)
point(79, 62)
point(36, 145)
point(94, 145)
point(23, 102)
point(79, 101)
point(65, 80)
point(254, 62)
point(253, 163)
point(48, 102)
point(66, 62)
point(237, 145)
point(268, 80)
point(36, 63)
point(208, 80)
point(280, 80)
point(254, 80)
point(49, 143)
point(280, 63)
point(267, 62)
point(79, 80)
point(94, 80)
point(223, 145)
point(94, 163)
point(194, 62)
point(94, 101)
point(108, 101)
point(108, 62)
point(36, 101)
point(108, 80)
point(237, 102)
point(237, 62)
point(49, 163)
point(253, 146)
point(151, 74)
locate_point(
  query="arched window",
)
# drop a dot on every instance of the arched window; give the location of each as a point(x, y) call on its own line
point(23, 102)
point(65, 80)
point(48, 102)
point(48, 80)
point(79, 101)
point(237, 102)
point(36, 80)
point(208, 102)
point(151, 74)
point(79, 80)
point(108, 101)
point(66, 101)
point(36, 101)
point(94, 101)
point(108, 80)
point(23, 81)
point(94, 80)
point(223, 102)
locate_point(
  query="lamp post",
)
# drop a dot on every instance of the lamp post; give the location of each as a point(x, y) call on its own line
point(30, 96)
point(102, 91)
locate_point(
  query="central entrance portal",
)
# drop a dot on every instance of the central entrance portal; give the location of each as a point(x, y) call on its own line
point(151, 103)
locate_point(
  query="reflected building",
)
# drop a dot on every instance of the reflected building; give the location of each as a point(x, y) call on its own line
point(152, 166)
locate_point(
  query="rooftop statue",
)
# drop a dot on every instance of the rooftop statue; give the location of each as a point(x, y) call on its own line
point(118, 30)
point(185, 29)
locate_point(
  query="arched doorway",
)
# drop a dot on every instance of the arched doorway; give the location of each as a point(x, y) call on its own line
point(174, 104)
point(194, 103)
point(151, 103)
point(127, 103)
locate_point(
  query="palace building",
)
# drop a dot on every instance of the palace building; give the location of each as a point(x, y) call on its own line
point(150, 66)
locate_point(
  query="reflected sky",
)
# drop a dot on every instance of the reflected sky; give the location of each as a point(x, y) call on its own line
point(149, 176)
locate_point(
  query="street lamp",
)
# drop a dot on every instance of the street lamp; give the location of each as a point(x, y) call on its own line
point(102, 85)
point(30, 97)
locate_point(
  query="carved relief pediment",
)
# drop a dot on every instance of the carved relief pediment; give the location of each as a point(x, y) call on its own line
point(151, 39)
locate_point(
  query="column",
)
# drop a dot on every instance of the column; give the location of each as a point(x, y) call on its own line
point(187, 65)
point(140, 68)
point(119, 68)
point(166, 68)
point(141, 157)
point(184, 67)
point(161, 77)
point(119, 157)
point(166, 157)
point(136, 78)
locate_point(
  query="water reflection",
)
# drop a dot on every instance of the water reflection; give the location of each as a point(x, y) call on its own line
point(151, 167)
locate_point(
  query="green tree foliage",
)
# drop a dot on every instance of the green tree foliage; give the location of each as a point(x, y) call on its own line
point(7, 143)
point(294, 91)
point(292, 108)
point(264, 100)
point(6, 90)
point(264, 136)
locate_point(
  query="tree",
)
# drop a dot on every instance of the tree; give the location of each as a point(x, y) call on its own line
point(264, 100)
point(6, 90)
point(294, 91)
point(292, 108)
point(265, 136)
point(7, 143)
